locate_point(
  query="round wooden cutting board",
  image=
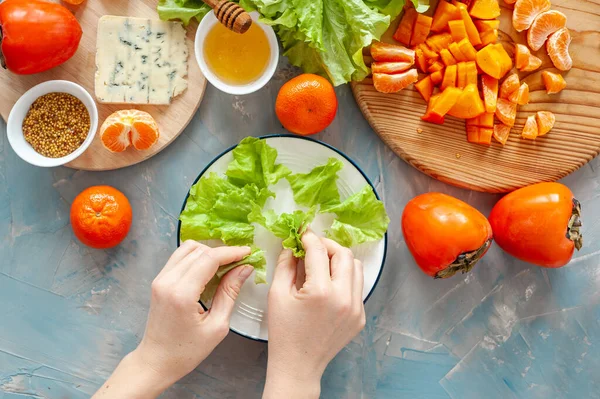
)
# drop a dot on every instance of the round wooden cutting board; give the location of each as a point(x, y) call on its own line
point(442, 151)
point(171, 119)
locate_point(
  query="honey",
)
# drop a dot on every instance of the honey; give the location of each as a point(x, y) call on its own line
point(237, 59)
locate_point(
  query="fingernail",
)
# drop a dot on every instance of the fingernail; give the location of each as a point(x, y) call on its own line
point(246, 272)
point(247, 248)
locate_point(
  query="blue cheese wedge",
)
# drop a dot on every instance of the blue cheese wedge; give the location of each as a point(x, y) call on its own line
point(140, 61)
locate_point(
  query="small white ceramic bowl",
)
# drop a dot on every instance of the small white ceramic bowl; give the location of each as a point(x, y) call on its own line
point(205, 26)
point(19, 111)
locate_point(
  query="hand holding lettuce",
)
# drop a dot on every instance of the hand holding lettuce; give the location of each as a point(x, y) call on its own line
point(325, 37)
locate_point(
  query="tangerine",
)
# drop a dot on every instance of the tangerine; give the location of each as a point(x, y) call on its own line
point(533, 63)
point(510, 84)
point(554, 82)
point(306, 104)
point(525, 12)
point(530, 130)
point(385, 83)
point(557, 46)
point(506, 112)
point(129, 126)
point(101, 217)
point(545, 121)
point(521, 95)
point(543, 26)
point(501, 133)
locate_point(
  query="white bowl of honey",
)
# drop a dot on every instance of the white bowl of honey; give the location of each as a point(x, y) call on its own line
point(236, 63)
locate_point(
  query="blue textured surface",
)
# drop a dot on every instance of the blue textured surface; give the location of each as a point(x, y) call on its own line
point(68, 313)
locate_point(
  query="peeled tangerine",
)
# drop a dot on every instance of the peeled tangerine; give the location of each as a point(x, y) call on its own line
point(553, 82)
point(525, 12)
point(385, 83)
point(543, 26)
point(530, 130)
point(129, 127)
point(524, 60)
point(545, 122)
point(557, 46)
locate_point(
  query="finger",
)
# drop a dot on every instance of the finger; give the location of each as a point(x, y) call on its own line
point(285, 271)
point(180, 253)
point(176, 272)
point(300, 275)
point(202, 269)
point(359, 282)
point(342, 262)
point(316, 261)
point(228, 291)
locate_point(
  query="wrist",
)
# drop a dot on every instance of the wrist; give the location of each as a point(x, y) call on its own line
point(291, 384)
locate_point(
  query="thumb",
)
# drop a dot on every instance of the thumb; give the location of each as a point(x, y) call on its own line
point(285, 271)
point(228, 291)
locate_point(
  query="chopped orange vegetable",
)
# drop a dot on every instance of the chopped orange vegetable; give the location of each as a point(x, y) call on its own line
point(485, 9)
point(430, 116)
point(545, 121)
point(493, 60)
point(469, 104)
point(439, 41)
point(456, 53)
point(390, 67)
point(447, 101)
point(532, 64)
point(485, 135)
point(506, 112)
point(420, 30)
point(449, 77)
point(385, 83)
point(435, 66)
point(521, 95)
point(490, 92)
point(530, 130)
point(486, 119)
point(391, 53)
point(457, 30)
point(471, 73)
point(522, 55)
point(467, 49)
point(489, 37)
point(447, 57)
point(461, 75)
point(405, 29)
point(461, 4)
point(425, 87)
point(443, 13)
point(420, 59)
point(427, 52)
point(472, 31)
point(484, 26)
point(510, 84)
point(437, 77)
point(554, 82)
point(501, 133)
point(472, 134)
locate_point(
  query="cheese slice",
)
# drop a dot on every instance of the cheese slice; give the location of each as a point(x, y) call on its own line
point(140, 61)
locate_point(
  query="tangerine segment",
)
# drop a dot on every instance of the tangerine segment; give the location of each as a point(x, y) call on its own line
point(114, 135)
point(506, 112)
point(521, 95)
point(543, 26)
point(532, 64)
point(510, 1)
point(144, 134)
point(545, 121)
point(510, 84)
point(522, 55)
point(391, 53)
point(385, 83)
point(557, 46)
point(554, 82)
point(501, 133)
point(390, 67)
point(525, 12)
point(530, 130)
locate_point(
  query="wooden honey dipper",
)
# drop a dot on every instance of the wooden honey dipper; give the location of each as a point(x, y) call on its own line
point(231, 15)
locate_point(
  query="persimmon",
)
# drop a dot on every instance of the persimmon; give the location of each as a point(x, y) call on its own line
point(485, 9)
point(445, 235)
point(490, 92)
point(447, 58)
point(456, 52)
point(421, 30)
point(539, 224)
point(405, 28)
point(469, 104)
point(444, 12)
point(457, 30)
point(494, 61)
point(449, 77)
point(425, 87)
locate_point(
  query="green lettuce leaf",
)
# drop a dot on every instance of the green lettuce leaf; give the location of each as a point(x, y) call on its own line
point(254, 163)
point(317, 186)
point(217, 209)
point(256, 259)
point(360, 218)
point(287, 226)
point(183, 10)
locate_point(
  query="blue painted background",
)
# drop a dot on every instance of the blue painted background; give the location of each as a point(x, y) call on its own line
point(68, 313)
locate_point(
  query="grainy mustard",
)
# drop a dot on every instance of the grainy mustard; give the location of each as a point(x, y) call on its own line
point(56, 124)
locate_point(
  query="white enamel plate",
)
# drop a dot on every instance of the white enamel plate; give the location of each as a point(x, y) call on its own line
point(301, 155)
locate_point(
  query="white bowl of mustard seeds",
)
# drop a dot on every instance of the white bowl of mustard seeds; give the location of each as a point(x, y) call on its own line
point(52, 123)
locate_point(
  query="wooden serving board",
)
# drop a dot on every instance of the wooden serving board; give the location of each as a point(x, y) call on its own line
point(442, 152)
point(81, 68)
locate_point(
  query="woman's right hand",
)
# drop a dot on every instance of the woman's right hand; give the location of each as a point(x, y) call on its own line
point(313, 314)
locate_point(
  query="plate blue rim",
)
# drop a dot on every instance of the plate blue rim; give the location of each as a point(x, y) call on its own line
point(215, 159)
